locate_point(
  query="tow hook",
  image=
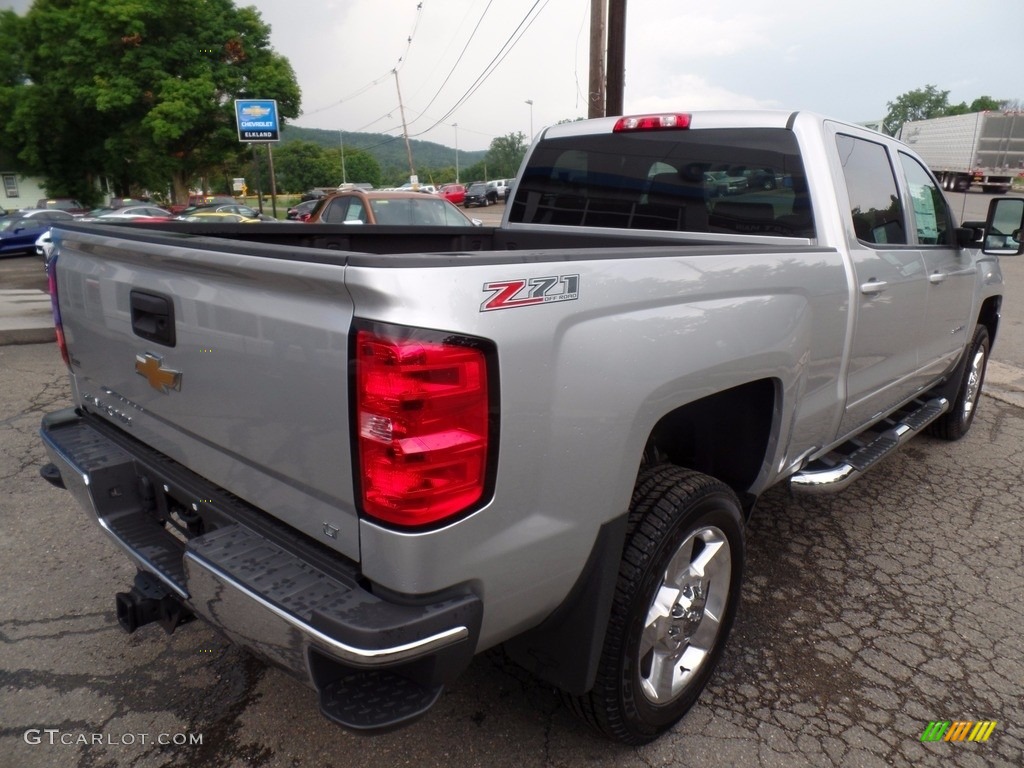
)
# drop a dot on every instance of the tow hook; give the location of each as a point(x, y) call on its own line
point(149, 601)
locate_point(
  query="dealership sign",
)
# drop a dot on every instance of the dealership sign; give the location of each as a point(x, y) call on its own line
point(257, 120)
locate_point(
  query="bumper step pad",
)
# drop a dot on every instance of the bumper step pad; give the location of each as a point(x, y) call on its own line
point(373, 700)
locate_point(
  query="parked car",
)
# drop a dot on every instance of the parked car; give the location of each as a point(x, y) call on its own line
point(196, 200)
point(44, 244)
point(388, 207)
point(20, 230)
point(720, 183)
point(67, 204)
point(410, 187)
point(763, 178)
point(301, 211)
point(127, 212)
point(453, 193)
point(217, 217)
point(500, 188)
point(478, 193)
point(243, 210)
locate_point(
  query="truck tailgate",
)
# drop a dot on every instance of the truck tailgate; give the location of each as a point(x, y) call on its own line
point(233, 364)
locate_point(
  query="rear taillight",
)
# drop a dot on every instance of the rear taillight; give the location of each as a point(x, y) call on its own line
point(422, 409)
point(652, 123)
point(51, 287)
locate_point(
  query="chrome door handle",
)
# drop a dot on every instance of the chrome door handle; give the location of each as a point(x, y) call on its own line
point(872, 287)
point(936, 277)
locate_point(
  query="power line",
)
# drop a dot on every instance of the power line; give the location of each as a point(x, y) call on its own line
point(510, 43)
point(499, 57)
point(461, 54)
point(378, 80)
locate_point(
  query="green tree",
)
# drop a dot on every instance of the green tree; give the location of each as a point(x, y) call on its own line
point(929, 102)
point(137, 92)
point(922, 104)
point(360, 166)
point(302, 165)
point(980, 104)
point(505, 155)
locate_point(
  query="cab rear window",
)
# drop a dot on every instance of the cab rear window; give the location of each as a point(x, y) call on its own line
point(738, 181)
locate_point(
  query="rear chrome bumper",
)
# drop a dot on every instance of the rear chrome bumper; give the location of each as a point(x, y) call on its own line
point(265, 587)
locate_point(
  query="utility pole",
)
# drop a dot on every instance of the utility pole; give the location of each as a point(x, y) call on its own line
point(341, 140)
point(595, 93)
point(405, 132)
point(456, 127)
point(273, 181)
point(616, 56)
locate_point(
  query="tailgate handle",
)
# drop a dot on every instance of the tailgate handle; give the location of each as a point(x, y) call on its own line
point(153, 317)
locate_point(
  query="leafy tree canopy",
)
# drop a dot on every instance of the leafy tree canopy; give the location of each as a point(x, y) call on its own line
point(505, 155)
point(303, 165)
point(928, 102)
point(132, 91)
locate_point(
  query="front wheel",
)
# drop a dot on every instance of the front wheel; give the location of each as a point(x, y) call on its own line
point(677, 594)
point(956, 422)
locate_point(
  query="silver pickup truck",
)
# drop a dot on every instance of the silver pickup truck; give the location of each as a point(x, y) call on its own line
point(367, 454)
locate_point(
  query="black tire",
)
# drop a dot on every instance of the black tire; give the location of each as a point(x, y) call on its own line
point(956, 422)
point(677, 517)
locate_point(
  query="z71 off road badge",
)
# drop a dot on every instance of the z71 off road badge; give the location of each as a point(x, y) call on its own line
point(510, 294)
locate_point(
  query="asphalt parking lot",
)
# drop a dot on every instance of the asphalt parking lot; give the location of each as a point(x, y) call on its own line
point(865, 616)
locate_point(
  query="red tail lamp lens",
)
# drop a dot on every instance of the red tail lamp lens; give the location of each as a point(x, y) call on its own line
point(423, 416)
point(51, 287)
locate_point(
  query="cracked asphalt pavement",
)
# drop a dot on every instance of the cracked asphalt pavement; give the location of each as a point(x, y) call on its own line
point(865, 616)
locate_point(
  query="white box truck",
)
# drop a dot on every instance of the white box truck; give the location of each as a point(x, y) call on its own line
point(984, 148)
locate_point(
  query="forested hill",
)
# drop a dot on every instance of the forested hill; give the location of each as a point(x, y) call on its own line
point(388, 151)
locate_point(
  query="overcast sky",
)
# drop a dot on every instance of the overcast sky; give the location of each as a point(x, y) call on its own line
point(844, 59)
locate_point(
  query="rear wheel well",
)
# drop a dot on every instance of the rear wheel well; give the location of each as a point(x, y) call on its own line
point(724, 435)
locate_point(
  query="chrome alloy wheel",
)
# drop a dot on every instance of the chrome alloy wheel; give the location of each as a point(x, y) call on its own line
point(685, 615)
point(974, 374)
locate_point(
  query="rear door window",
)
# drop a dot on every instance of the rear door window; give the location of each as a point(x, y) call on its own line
point(874, 196)
point(932, 225)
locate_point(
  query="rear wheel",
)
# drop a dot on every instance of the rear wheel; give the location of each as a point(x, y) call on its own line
point(675, 601)
point(956, 422)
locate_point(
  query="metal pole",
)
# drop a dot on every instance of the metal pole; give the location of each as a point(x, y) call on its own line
point(598, 22)
point(273, 181)
point(405, 129)
point(341, 140)
point(530, 102)
point(456, 127)
point(616, 56)
point(259, 183)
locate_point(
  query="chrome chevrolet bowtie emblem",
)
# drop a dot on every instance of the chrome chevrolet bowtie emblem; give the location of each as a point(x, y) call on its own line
point(151, 368)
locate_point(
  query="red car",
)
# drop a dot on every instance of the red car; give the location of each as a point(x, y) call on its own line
point(453, 193)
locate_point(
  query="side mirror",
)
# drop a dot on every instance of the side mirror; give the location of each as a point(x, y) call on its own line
point(1003, 228)
point(970, 234)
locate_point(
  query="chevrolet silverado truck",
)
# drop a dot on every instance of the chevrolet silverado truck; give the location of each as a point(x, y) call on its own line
point(366, 456)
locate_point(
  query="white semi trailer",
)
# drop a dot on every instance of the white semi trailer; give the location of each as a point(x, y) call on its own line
point(984, 148)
